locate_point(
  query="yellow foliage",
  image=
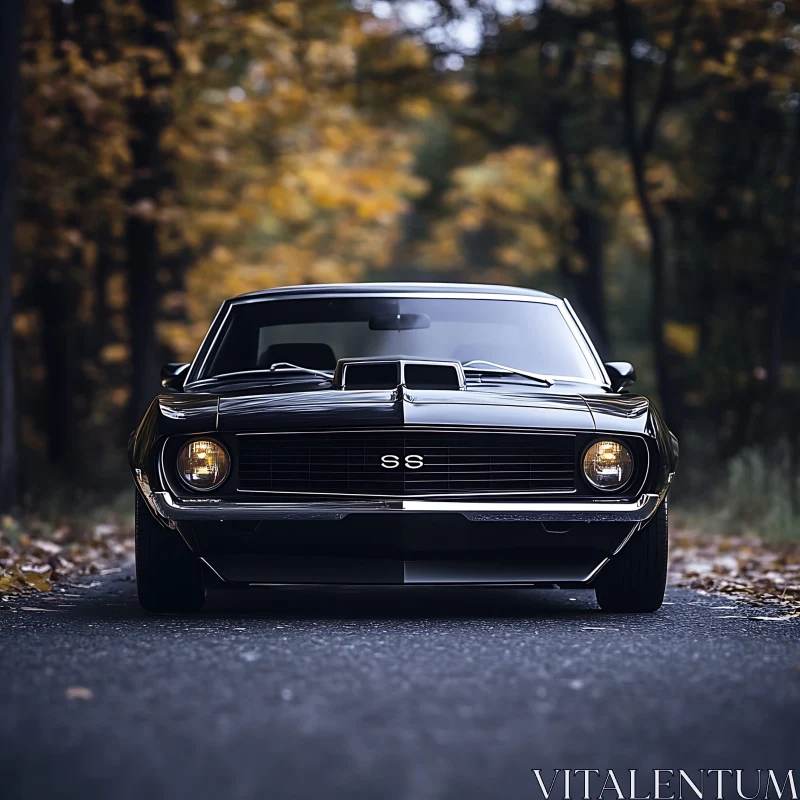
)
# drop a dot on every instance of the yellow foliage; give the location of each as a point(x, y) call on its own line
point(683, 338)
point(114, 353)
point(286, 179)
point(511, 198)
point(417, 107)
point(24, 323)
point(288, 13)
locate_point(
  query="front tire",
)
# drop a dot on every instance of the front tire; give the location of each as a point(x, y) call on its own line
point(168, 576)
point(635, 579)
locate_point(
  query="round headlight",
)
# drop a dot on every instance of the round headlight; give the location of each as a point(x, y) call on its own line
point(608, 465)
point(203, 464)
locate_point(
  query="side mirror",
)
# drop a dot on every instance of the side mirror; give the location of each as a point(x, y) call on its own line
point(621, 374)
point(173, 376)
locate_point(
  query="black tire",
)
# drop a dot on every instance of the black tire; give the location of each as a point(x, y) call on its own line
point(168, 576)
point(634, 580)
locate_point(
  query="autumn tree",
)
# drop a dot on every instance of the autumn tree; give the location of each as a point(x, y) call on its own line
point(229, 148)
point(730, 137)
point(293, 158)
point(74, 172)
point(541, 81)
point(685, 111)
point(177, 152)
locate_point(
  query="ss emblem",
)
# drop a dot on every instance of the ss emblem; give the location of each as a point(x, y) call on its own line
point(410, 462)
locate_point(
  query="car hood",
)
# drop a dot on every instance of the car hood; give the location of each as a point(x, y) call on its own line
point(323, 409)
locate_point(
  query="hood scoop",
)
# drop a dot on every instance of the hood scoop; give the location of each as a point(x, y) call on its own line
point(389, 373)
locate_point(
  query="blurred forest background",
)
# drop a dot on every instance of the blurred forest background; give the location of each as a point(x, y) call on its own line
point(640, 157)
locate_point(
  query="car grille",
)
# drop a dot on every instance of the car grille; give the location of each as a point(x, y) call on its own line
point(355, 462)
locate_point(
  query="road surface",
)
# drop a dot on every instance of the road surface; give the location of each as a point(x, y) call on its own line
point(403, 693)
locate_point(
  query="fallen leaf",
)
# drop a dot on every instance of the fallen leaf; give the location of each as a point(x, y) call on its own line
point(51, 548)
point(742, 567)
point(79, 693)
point(38, 577)
point(37, 557)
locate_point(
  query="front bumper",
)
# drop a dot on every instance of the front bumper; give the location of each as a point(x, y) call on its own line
point(211, 510)
point(405, 541)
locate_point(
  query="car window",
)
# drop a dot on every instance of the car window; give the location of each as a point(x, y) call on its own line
point(315, 332)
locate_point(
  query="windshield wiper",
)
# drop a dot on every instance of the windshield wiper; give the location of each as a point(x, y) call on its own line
point(285, 366)
point(473, 366)
point(281, 366)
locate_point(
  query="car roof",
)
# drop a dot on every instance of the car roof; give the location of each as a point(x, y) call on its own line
point(392, 288)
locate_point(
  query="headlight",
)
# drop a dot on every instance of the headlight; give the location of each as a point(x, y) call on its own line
point(203, 464)
point(608, 465)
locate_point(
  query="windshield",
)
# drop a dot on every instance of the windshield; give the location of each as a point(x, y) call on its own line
point(316, 332)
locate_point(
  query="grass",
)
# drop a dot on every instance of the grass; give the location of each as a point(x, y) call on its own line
point(758, 494)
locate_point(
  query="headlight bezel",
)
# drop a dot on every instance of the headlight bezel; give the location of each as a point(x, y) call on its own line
point(194, 487)
point(605, 489)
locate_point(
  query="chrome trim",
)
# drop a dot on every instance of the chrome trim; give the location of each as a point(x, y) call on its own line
point(209, 509)
point(597, 569)
point(143, 485)
point(599, 511)
point(422, 427)
point(640, 525)
point(589, 344)
point(627, 538)
point(211, 567)
point(206, 346)
point(504, 493)
point(211, 343)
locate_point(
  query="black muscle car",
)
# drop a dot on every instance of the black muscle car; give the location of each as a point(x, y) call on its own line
point(400, 434)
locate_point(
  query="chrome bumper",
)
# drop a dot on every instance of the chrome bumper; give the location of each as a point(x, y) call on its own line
point(211, 510)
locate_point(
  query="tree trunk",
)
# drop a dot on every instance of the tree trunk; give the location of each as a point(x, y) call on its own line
point(57, 300)
point(638, 147)
point(591, 243)
point(783, 271)
point(149, 116)
point(10, 30)
point(588, 286)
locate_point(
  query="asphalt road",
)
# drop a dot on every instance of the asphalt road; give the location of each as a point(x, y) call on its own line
point(419, 693)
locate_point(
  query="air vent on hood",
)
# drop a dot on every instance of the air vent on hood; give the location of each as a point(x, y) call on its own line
point(371, 376)
point(432, 376)
point(389, 374)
